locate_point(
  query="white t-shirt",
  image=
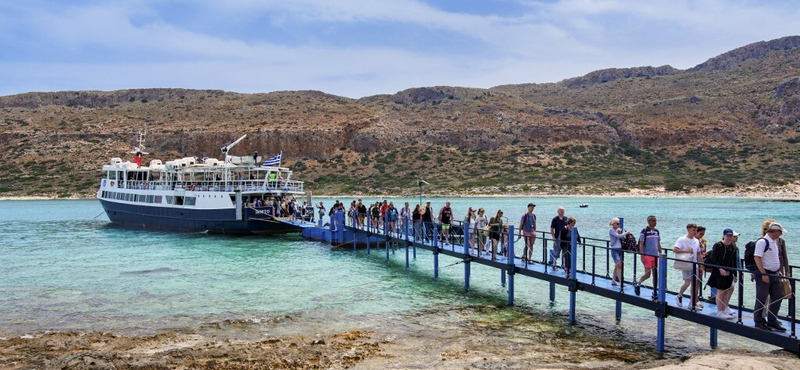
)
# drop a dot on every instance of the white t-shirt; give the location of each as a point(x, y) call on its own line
point(770, 259)
point(686, 244)
point(482, 221)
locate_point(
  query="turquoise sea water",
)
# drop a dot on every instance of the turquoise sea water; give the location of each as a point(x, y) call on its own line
point(65, 267)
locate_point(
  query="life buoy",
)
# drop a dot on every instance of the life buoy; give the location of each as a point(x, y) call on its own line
point(112, 183)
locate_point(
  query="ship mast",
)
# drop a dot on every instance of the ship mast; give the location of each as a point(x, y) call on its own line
point(139, 149)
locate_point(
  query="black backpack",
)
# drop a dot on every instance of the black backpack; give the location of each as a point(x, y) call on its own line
point(749, 254)
point(628, 243)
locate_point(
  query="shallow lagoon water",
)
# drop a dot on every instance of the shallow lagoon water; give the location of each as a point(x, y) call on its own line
point(66, 268)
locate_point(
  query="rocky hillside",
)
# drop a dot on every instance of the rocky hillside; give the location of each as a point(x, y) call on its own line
point(727, 123)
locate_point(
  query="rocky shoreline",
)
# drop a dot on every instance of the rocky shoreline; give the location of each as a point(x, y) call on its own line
point(437, 338)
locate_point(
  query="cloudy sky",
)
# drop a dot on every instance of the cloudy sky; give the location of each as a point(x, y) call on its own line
point(357, 48)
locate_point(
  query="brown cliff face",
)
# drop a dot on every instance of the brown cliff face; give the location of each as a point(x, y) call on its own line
point(591, 133)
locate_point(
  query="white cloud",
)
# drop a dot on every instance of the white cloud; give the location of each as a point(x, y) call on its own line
point(134, 44)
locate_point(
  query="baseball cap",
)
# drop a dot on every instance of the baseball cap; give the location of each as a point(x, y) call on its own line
point(730, 232)
point(531, 205)
point(775, 226)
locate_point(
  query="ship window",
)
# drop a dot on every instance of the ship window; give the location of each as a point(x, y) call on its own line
point(169, 199)
point(150, 199)
point(189, 201)
point(158, 199)
point(178, 200)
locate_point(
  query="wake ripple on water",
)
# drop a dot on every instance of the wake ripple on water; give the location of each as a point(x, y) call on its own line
point(150, 271)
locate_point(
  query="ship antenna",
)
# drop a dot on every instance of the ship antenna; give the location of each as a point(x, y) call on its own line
point(139, 149)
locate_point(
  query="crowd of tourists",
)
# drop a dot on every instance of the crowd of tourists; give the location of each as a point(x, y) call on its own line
point(487, 235)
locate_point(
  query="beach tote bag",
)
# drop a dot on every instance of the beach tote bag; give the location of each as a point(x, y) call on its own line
point(786, 288)
point(683, 261)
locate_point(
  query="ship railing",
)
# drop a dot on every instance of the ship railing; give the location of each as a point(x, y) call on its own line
point(241, 185)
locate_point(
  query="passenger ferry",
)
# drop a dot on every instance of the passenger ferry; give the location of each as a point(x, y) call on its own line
point(208, 195)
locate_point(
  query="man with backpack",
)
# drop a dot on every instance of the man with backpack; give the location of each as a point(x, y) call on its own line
point(767, 258)
point(650, 249)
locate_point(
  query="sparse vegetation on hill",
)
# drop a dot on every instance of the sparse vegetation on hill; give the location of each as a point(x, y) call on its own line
point(731, 121)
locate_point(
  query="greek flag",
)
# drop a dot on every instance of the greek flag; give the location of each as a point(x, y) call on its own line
point(274, 161)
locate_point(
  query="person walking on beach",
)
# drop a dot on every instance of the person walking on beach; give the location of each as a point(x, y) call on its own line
point(615, 235)
point(556, 225)
point(445, 218)
point(689, 244)
point(768, 262)
point(724, 254)
point(496, 228)
point(650, 249)
point(566, 244)
point(528, 226)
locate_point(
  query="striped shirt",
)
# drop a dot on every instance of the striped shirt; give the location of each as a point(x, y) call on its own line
point(770, 258)
point(651, 239)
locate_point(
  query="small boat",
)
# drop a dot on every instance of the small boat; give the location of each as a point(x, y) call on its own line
point(583, 205)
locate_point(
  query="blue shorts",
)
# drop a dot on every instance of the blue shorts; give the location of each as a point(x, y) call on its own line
point(616, 254)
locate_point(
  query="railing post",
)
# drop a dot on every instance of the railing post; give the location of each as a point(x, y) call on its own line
point(662, 295)
point(369, 232)
point(740, 296)
point(435, 253)
point(573, 286)
point(467, 258)
point(340, 227)
point(511, 266)
point(608, 258)
point(545, 255)
point(693, 286)
point(594, 251)
point(332, 229)
point(792, 308)
point(583, 251)
point(618, 310)
point(355, 230)
point(405, 228)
